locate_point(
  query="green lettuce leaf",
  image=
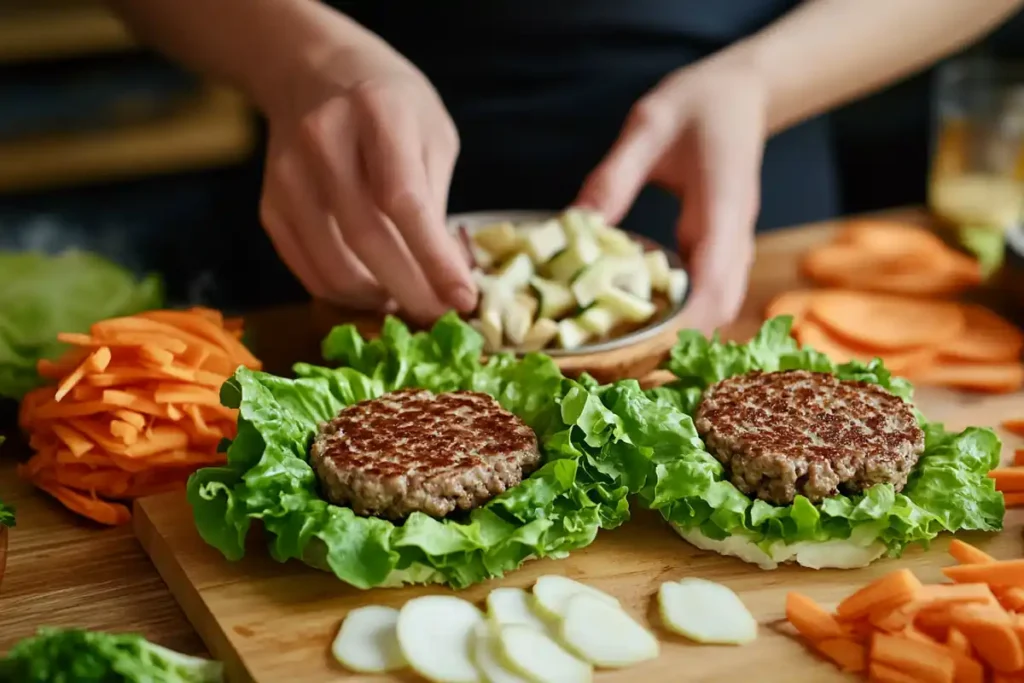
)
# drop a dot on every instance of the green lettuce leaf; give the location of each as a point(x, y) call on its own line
point(948, 490)
point(43, 295)
point(77, 656)
point(590, 438)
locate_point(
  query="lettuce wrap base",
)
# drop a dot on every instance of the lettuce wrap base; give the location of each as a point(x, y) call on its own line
point(588, 435)
point(948, 489)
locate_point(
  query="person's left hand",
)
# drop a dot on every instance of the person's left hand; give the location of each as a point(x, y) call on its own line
point(699, 134)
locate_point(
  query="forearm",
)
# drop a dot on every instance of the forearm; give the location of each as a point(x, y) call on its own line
point(255, 45)
point(828, 52)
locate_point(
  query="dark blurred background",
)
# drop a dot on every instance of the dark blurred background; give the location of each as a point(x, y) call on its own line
point(100, 139)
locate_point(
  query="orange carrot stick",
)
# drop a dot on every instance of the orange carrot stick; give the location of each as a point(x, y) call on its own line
point(999, 573)
point(1008, 479)
point(890, 591)
point(810, 620)
point(965, 553)
point(848, 654)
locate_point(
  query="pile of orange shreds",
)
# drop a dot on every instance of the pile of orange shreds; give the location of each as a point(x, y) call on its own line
point(134, 411)
point(883, 279)
point(1010, 479)
point(898, 630)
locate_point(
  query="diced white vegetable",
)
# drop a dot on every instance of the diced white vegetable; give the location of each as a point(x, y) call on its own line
point(571, 334)
point(657, 269)
point(593, 280)
point(367, 641)
point(604, 635)
point(678, 282)
point(516, 272)
point(573, 259)
point(540, 335)
point(579, 225)
point(435, 633)
point(513, 606)
point(630, 274)
point(555, 298)
point(488, 657)
point(544, 241)
point(598, 320)
point(482, 279)
point(706, 612)
point(617, 242)
point(490, 315)
point(553, 593)
point(500, 239)
point(517, 317)
point(626, 306)
point(481, 257)
point(537, 656)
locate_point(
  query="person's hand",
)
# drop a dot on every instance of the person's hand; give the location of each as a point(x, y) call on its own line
point(360, 158)
point(699, 134)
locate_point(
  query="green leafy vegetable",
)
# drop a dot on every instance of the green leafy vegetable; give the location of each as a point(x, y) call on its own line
point(948, 490)
point(42, 295)
point(78, 656)
point(986, 244)
point(590, 437)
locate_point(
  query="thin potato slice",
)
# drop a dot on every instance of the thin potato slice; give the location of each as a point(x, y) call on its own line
point(538, 657)
point(706, 612)
point(367, 641)
point(487, 655)
point(604, 635)
point(435, 633)
point(553, 593)
point(513, 606)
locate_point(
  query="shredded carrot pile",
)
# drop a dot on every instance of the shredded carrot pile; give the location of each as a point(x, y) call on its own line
point(884, 282)
point(134, 411)
point(898, 630)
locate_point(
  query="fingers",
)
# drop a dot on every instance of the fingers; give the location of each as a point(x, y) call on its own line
point(290, 250)
point(330, 142)
point(613, 186)
point(396, 154)
point(313, 239)
point(719, 213)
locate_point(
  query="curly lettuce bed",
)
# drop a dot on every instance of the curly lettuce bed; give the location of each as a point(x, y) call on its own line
point(591, 439)
point(947, 491)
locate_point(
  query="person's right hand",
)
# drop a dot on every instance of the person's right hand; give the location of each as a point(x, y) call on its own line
point(355, 191)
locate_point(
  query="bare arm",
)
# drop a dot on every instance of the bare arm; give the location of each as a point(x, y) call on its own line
point(253, 44)
point(828, 52)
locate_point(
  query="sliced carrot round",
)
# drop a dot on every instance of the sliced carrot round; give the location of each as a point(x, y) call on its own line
point(886, 322)
point(840, 351)
point(986, 337)
point(993, 378)
point(794, 303)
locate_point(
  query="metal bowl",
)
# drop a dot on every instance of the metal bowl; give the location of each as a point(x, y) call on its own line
point(472, 222)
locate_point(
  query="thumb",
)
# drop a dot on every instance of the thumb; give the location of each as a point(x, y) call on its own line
point(612, 187)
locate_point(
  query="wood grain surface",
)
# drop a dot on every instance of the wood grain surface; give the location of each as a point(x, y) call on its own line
point(68, 572)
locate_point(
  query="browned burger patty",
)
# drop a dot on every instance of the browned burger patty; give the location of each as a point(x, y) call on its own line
point(780, 434)
point(413, 450)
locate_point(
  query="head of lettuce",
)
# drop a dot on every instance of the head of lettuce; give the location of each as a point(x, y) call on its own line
point(42, 296)
point(947, 489)
point(588, 436)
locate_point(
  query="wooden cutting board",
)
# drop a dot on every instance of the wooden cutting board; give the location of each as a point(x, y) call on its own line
point(273, 623)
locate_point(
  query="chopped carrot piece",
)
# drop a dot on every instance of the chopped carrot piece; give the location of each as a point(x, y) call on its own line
point(892, 590)
point(97, 361)
point(956, 640)
point(986, 338)
point(77, 443)
point(1008, 479)
point(991, 634)
point(1013, 500)
point(1014, 426)
point(793, 303)
point(810, 620)
point(965, 553)
point(882, 673)
point(1018, 457)
point(95, 509)
point(999, 573)
point(887, 322)
point(848, 654)
point(924, 661)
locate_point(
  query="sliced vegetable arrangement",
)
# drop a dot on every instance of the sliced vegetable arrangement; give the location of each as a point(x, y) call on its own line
point(884, 279)
point(931, 342)
point(693, 491)
point(579, 487)
point(898, 630)
point(42, 295)
point(76, 656)
point(135, 408)
point(566, 282)
point(558, 633)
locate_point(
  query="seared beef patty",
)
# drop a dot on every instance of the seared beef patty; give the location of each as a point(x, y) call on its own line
point(780, 434)
point(413, 450)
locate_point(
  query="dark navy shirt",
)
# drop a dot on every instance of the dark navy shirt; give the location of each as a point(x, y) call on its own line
point(539, 90)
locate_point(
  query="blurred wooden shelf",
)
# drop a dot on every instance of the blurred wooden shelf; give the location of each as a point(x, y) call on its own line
point(51, 30)
point(215, 130)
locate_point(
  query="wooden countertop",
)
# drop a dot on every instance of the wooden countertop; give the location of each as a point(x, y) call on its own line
point(66, 572)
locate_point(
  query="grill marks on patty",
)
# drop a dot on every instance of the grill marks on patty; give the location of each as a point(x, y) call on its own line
point(797, 432)
point(412, 450)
